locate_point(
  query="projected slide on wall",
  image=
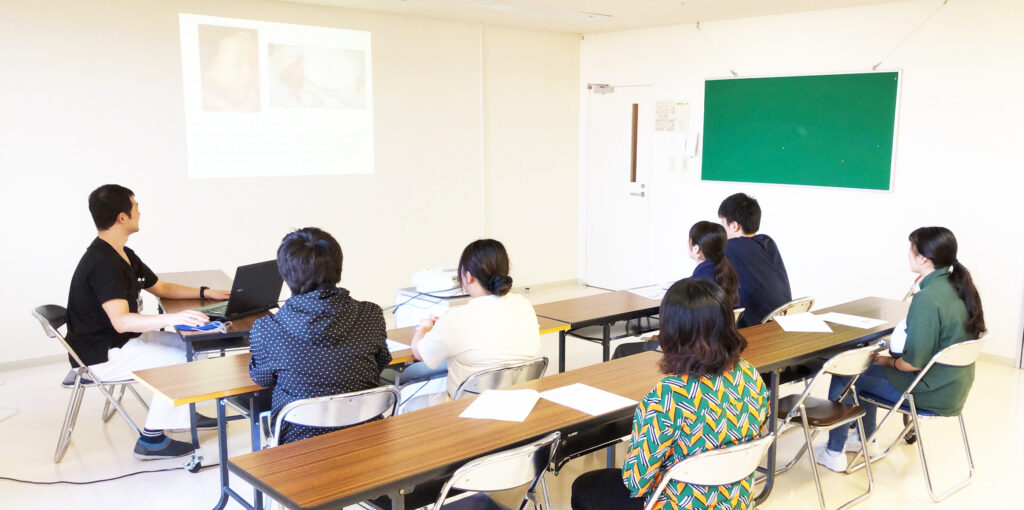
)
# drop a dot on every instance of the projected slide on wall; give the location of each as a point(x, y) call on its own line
point(273, 99)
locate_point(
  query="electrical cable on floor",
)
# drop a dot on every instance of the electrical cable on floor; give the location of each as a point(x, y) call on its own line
point(126, 475)
point(13, 412)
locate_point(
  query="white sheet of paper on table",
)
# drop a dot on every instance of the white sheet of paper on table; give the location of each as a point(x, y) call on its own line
point(504, 405)
point(854, 321)
point(805, 322)
point(650, 292)
point(396, 346)
point(587, 399)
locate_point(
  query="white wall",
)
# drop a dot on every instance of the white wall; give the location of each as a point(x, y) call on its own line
point(91, 93)
point(958, 149)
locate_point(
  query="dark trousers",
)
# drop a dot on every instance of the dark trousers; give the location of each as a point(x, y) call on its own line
point(603, 490)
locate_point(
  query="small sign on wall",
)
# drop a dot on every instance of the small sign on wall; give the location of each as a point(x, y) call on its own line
point(672, 116)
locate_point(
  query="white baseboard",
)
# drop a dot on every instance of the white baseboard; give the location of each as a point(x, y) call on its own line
point(33, 362)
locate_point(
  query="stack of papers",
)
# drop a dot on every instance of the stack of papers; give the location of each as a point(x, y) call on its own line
point(803, 322)
point(504, 405)
point(396, 346)
point(853, 321)
point(655, 292)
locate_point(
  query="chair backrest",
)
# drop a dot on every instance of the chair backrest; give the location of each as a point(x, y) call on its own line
point(503, 470)
point(500, 376)
point(737, 313)
point(716, 467)
point(959, 354)
point(795, 306)
point(51, 318)
point(338, 410)
point(849, 363)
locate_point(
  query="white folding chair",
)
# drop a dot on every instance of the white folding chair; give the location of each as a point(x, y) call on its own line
point(342, 410)
point(960, 354)
point(816, 414)
point(737, 313)
point(793, 307)
point(500, 376)
point(507, 470)
point(716, 467)
point(52, 317)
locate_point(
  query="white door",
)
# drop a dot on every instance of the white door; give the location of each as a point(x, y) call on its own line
point(619, 135)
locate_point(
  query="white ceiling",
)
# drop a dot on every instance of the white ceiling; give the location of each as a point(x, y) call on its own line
point(565, 15)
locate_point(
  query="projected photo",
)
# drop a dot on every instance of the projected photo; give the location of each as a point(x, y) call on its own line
point(229, 69)
point(310, 77)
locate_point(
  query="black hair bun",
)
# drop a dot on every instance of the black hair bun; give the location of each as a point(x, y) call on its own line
point(500, 284)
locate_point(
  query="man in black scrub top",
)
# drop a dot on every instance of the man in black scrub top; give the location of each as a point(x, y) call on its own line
point(105, 326)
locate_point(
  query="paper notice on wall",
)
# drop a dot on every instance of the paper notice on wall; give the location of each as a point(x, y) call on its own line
point(672, 116)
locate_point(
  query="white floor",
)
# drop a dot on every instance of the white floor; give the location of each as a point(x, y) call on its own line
point(994, 414)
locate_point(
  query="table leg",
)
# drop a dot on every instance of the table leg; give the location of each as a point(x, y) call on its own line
point(397, 500)
point(257, 443)
point(222, 450)
point(561, 351)
point(769, 482)
point(606, 343)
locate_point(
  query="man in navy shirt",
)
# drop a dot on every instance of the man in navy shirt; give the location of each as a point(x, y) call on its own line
point(764, 283)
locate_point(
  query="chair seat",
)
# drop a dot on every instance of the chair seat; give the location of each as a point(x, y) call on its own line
point(904, 408)
point(821, 413)
point(69, 380)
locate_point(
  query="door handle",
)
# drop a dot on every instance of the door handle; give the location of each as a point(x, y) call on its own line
point(641, 194)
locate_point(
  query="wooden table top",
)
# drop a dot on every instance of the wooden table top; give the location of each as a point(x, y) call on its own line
point(338, 468)
point(599, 307)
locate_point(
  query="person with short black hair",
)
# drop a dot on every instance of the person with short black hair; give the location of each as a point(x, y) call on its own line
point(495, 326)
point(710, 398)
point(105, 319)
point(321, 342)
point(764, 282)
point(947, 310)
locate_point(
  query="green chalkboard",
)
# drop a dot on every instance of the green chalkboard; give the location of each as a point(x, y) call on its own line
point(830, 130)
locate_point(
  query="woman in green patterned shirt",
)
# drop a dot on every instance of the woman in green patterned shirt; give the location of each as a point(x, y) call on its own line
point(709, 398)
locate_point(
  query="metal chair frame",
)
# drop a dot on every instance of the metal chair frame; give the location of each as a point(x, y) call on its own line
point(51, 318)
point(851, 363)
point(960, 354)
point(716, 467)
point(500, 376)
point(329, 411)
point(507, 470)
point(737, 313)
point(795, 306)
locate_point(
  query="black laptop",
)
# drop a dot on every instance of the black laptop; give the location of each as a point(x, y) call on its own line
point(255, 289)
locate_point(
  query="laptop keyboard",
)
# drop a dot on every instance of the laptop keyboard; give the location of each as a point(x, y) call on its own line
point(214, 309)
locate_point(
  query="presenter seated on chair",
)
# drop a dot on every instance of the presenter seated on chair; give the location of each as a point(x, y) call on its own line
point(494, 327)
point(947, 310)
point(106, 327)
point(709, 398)
point(322, 341)
point(707, 248)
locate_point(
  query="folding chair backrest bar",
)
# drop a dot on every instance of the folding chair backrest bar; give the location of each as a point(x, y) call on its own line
point(959, 354)
point(339, 410)
point(500, 376)
point(503, 470)
point(851, 362)
point(717, 467)
point(52, 317)
point(795, 306)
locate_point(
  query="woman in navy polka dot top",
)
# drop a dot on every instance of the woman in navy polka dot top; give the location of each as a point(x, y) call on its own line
point(322, 342)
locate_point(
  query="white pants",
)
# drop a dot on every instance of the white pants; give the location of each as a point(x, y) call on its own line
point(152, 349)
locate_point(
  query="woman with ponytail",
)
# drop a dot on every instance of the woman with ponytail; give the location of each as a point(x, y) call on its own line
point(707, 248)
point(494, 327)
point(946, 310)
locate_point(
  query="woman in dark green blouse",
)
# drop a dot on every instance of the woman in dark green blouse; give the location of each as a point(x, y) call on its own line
point(947, 310)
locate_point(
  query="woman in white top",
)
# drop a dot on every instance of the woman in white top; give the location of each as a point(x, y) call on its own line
point(493, 327)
